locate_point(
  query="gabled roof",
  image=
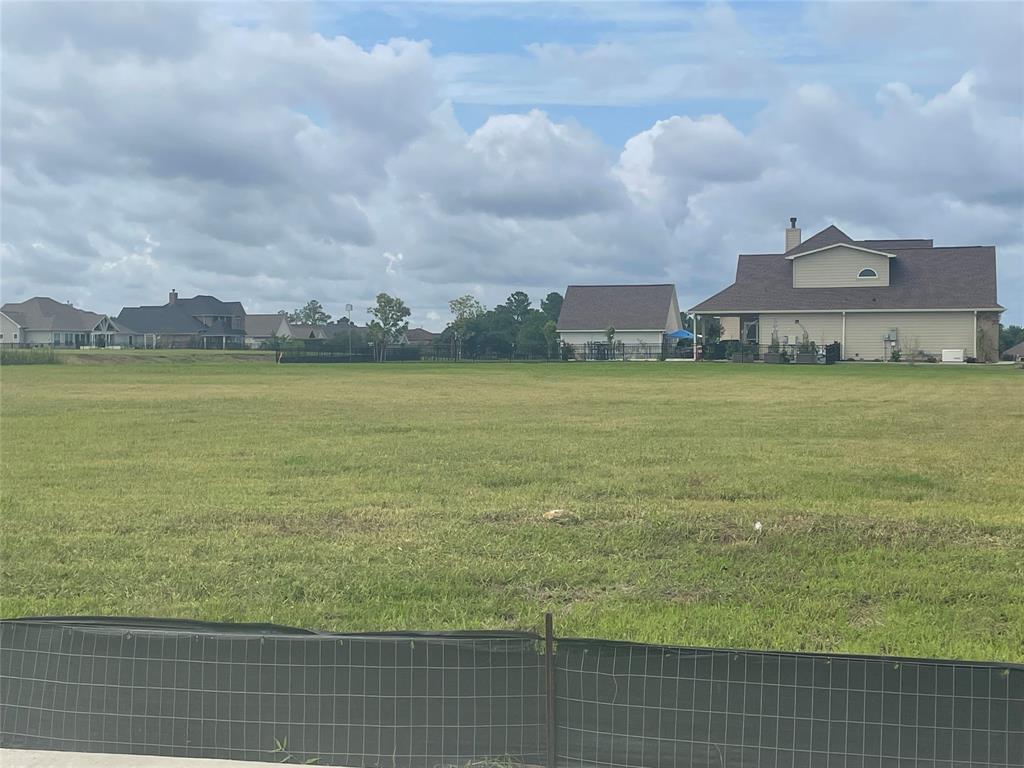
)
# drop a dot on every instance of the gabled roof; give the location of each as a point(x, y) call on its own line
point(303, 331)
point(1017, 350)
point(790, 255)
point(264, 325)
point(169, 319)
point(623, 307)
point(42, 313)
point(209, 305)
point(830, 235)
point(420, 335)
point(920, 277)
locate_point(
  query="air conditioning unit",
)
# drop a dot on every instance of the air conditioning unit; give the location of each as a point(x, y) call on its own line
point(952, 355)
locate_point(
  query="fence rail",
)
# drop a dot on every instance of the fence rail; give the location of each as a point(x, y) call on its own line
point(422, 700)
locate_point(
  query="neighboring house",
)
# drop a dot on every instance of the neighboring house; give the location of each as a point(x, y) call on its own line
point(304, 332)
point(42, 321)
point(871, 296)
point(211, 311)
point(259, 329)
point(1015, 353)
point(11, 331)
point(640, 314)
point(202, 321)
point(421, 337)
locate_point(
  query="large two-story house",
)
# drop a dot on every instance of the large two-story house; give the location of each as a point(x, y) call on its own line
point(880, 299)
point(202, 321)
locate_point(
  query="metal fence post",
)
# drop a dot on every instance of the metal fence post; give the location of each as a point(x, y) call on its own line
point(549, 665)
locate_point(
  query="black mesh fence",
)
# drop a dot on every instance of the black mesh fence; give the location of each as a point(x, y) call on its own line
point(479, 699)
point(270, 693)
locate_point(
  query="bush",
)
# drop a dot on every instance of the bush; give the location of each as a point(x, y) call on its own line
point(37, 356)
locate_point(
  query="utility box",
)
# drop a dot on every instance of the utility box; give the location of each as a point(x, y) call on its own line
point(952, 355)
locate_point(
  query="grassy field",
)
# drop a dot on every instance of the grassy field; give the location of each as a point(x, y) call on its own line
point(413, 496)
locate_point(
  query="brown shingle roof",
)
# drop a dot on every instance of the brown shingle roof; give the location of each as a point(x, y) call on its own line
point(920, 277)
point(623, 307)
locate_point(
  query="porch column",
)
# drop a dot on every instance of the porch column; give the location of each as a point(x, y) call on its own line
point(842, 343)
point(695, 337)
point(975, 355)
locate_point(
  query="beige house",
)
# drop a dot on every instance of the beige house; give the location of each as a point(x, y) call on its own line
point(42, 321)
point(880, 299)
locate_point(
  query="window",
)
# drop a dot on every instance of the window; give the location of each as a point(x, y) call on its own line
point(867, 272)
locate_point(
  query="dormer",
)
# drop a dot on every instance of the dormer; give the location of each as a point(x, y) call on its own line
point(841, 265)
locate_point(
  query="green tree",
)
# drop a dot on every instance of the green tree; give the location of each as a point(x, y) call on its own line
point(551, 338)
point(518, 306)
point(551, 305)
point(311, 314)
point(532, 338)
point(1009, 335)
point(465, 309)
point(389, 322)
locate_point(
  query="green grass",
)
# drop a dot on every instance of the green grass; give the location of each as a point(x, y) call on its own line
point(355, 497)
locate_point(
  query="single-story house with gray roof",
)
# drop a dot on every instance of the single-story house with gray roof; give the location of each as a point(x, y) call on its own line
point(874, 297)
point(1015, 353)
point(640, 314)
point(42, 321)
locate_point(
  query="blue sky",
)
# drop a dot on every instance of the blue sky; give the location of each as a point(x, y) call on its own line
point(278, 152)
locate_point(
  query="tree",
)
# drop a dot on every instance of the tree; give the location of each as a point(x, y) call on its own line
point(551, 305)
point(609, 333)
point(466, 309)
point(518, 305)
point(311, 314)
point(388, 322)
point(532, 339)
point(1009, 336)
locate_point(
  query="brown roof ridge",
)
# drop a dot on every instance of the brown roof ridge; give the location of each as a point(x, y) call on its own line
point(618, 285)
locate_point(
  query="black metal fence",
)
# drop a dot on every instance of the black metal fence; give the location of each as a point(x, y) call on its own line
point(481, 699)
point(446, 352)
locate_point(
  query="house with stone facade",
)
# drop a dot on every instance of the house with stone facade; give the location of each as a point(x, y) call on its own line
point(880, 299)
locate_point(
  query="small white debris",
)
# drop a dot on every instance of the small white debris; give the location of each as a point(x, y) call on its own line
point(554, 514)
point(758, 526)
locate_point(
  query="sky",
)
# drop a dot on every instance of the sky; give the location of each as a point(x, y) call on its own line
point(274, 153)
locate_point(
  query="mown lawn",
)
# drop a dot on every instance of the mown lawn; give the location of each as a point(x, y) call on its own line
point(412, 496)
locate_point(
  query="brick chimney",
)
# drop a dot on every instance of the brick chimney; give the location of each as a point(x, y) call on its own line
point(792, 235)
point(172, 297)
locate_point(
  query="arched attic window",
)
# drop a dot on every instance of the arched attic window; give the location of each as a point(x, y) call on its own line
point(867, 272)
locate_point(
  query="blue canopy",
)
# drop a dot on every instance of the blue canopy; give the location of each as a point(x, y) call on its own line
point(680, 334)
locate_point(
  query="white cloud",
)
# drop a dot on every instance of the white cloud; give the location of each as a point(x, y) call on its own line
point(169, 145)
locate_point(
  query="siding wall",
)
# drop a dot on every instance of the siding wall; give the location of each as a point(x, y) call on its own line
point(626, 337)
point(838, 268)
point(823, 328)
point(927, 332)
point(11, 334)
